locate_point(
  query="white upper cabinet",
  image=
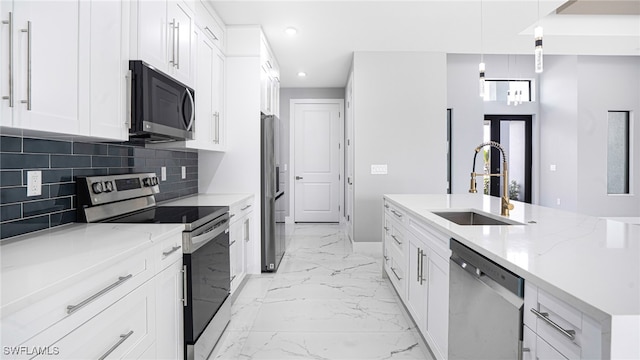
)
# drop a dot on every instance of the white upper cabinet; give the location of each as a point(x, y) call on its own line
point(65, 73)
point(43, 57)
point(269, 80)
point(104, 43)
point(162, 36)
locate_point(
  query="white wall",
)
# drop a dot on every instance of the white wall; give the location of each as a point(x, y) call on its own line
point(558, 133)
point(287, 94)
point(605, 84)
point(400, 117)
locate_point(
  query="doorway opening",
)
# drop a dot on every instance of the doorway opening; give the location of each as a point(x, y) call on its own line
point(514, 133)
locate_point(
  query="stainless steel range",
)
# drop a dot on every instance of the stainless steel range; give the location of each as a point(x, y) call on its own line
point(130, 199)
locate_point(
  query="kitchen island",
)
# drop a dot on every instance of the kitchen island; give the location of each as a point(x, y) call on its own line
point(589, 263)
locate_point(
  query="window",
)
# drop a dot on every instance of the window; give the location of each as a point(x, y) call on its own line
point(618, 153)
point(513, 92)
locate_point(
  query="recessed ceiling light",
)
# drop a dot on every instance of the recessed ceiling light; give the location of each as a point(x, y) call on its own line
point(302, 74)
point(291, 31)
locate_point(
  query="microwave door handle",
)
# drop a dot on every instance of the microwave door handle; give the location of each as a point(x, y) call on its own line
point(193, 110)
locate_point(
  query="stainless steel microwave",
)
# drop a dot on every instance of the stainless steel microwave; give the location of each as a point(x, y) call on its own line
point(162, 109)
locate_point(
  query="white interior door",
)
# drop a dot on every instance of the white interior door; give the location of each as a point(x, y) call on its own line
point(316, 161)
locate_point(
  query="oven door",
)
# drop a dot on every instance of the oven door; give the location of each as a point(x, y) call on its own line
point(207, 277)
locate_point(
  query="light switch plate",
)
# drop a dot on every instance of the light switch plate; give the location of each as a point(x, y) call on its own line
point(184, 172)
point(552, 167)
point(163, 173)
point(34, 183)
point(379, 169)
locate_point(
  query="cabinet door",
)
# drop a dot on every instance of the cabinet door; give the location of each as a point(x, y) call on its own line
point(104, 49)
point(169, 312)
point(181, 16)
point(45, 50)
point(249, 259)
point(7, 87)
point(152, 30)
point(236, 253)
point(219, 126)
point(204, 85)
point(417, 282)
point(438, 304)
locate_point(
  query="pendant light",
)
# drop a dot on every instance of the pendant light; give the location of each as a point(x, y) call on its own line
point(537, 34)
point(481, 66)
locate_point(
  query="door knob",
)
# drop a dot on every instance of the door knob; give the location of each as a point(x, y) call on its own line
point(298, 177)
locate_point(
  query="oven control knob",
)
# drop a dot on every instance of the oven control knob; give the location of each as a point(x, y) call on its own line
point(108, 186)
point(97, 187)
point(154, 180)
point(146, 182)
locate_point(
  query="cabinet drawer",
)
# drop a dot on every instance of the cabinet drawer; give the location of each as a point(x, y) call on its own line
point(544, 351)
point(395, 266)
point(395, 212)
point(209, 25)
point(168, 252)
point(124, 330)
point(240, 209)
point(395, 235)
point(68, 307)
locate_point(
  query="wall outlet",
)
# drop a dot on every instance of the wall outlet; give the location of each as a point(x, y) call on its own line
point(34, 183)
point(379, 169)
point(184, 172)
point(552, 167)
point(163, 173)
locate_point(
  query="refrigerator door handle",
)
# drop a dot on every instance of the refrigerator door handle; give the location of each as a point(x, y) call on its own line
point(299, 177)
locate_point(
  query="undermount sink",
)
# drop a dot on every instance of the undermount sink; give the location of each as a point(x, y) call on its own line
point(469, 217)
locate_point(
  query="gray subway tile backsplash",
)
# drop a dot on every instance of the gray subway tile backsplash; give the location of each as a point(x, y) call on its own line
point(61, 162)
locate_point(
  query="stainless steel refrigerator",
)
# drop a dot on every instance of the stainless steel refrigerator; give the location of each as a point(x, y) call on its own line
point(273, 237)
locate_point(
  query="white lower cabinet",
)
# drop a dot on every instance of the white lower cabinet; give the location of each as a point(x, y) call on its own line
point(420, 275)
point(169, 313)
point(561, 331)
point(131, 309)
point(124, 330)
point(240, 246)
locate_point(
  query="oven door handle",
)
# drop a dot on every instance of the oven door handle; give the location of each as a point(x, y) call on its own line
point(206, 234)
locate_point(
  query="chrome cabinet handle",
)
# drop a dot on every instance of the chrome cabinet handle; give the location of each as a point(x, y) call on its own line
point(421, 262)
point(193, 110)
point(571, 334)
point(396, 213)
point(172, 24)
point(184, 285)
point(233, 242)
point(396, 239)
point(245, 208)
point(216, 127)
point(386, 206)
point(231, 215)
point(386, 258)
point(299, 177)
point(28, 31)
point(418, 266)
point(395, 273)
point(129, 84)
point(178, 46)
point(121, 280)
point(211, 32)
point(173, 249)
point(232, 278)
point(386, 229)
point(123, 338)
point(10, 23)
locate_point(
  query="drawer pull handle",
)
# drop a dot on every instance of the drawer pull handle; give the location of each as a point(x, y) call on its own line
point(232, 278)
point(232, 215)
point(386, 258)
point(173, 249)
point(233, 242)
point(386, 229)
point(571, 334)
point(245, 208)
point(123, 338)
point(396, 239)
point(185, 300)
point(386, 206)
point(121, 280)
point(395, 273)
point(396, 213)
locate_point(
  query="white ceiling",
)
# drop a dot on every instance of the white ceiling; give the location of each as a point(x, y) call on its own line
point(330, 31)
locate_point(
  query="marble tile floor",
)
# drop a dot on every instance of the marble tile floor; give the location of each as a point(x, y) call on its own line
point(325, 302)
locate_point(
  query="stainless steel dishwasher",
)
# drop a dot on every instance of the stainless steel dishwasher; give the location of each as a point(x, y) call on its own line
point(486, 304)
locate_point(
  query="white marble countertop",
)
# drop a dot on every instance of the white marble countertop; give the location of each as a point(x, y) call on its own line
point(592, 263)
point(32, 263)
point(209, 200)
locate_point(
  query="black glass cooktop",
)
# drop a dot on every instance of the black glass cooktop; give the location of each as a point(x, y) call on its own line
point(192, 216)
